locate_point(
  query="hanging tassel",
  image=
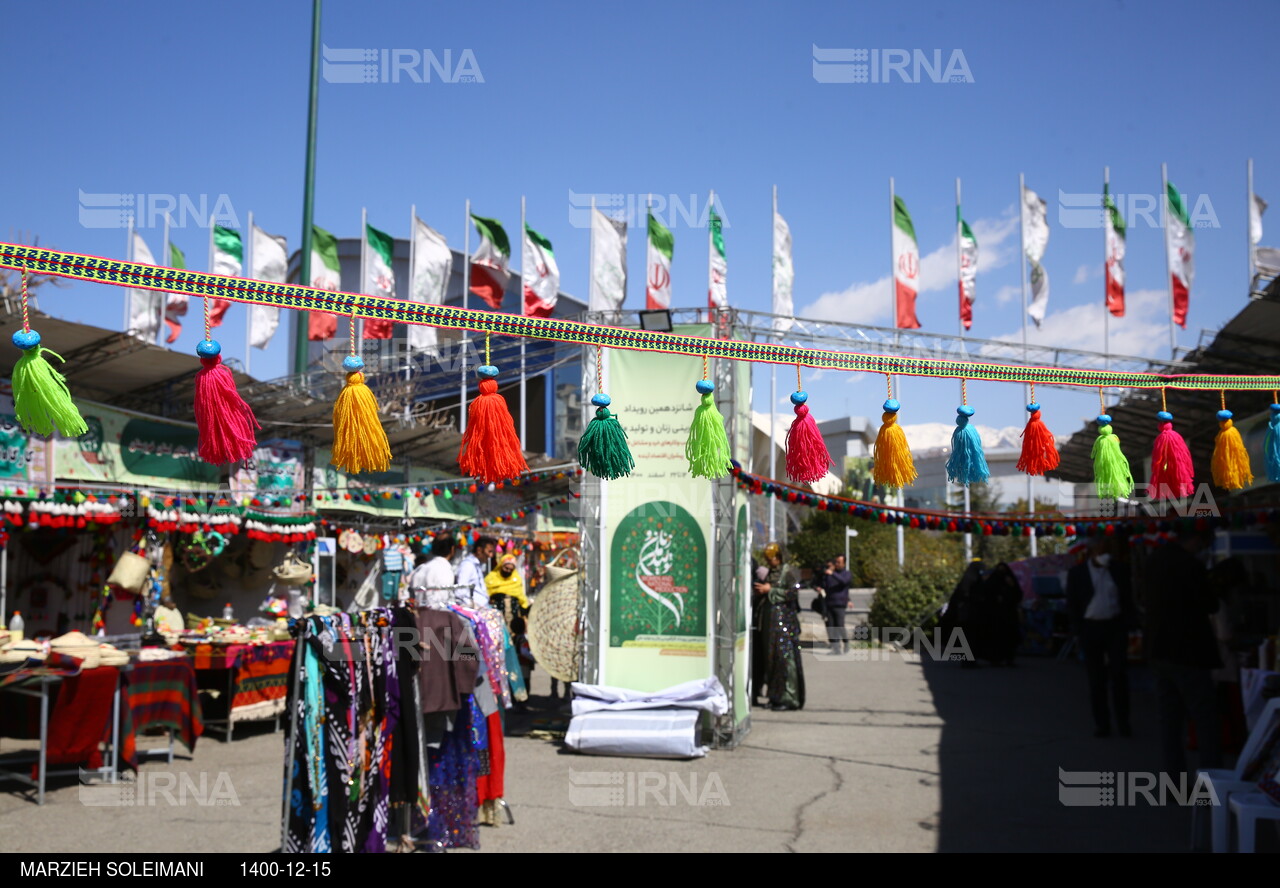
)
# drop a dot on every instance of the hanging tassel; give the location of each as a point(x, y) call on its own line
point(603, 450)
point(966, 464)
point(359, 441)
point(1111, 473)
point(708, 446)
point(41, 399)
point(807, 456)
point(892, 466)
point(1230, 463)
point(1039, 450)
point(490, 447)
point(1271, 446)
point(1171, 471)
point(225, 424)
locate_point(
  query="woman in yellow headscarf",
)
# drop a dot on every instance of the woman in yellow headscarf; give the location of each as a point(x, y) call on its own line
point(506, 580)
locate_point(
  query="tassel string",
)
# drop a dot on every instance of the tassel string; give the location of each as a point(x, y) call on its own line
point(26, 316)
point(964, 392)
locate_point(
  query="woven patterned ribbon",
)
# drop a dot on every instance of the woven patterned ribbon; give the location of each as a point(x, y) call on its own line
point(198, 283)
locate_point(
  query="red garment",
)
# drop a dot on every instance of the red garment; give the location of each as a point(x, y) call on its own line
point(81, 718)
point(490, 786)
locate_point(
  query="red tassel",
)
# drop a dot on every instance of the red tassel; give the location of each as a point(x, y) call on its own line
point(490, 447)
point(1171, 469)
point(1039, 451)
point(807, 456)
point(225, 422)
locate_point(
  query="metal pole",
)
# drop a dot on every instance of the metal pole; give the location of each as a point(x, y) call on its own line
point(4, 585)
point(301, 347)
point(1168, 261)
point(364, 271)
point(893, 269)
point(968, 537)
point(160, 296)
point(1106, 259)
point(408, 356)
point(1022, 231)
point(523, 401)
point(248, 272)
point(466, 290)
point(128, 257)
point(1249, 226)
point(773, 413)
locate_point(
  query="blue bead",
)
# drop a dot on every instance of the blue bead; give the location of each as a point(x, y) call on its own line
point(1033, 407)
point(892, 406)
point(1164, 416)
point(208, 348)
point(1224, 414)
point(26, 339)
point(352, 363)
point(964, 410)
point(601, 400)
point(486, 371)
point(1275, 408)
point(1104, 419)
point(799, 398)
point(705, 386)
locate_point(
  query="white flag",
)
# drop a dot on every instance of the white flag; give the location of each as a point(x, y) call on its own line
point(428, 279)
point(270, 258)
point(608, 262)
point(784, 275)
point(1035, 229)
point(145, 306)
point(718, 267)
point(1257, 206)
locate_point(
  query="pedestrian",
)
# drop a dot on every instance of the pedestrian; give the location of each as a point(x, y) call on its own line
point(432, 574)
point(759, 632)
point(524, 654)
point(1178, 599)
point(505, 583)
point(1100, 605)
point(784, 673)
point(834, 585)
point(471, 571)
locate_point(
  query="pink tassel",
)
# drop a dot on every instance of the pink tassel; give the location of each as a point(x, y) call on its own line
point(225, 423)
point(1171, 469)
point(807, 456)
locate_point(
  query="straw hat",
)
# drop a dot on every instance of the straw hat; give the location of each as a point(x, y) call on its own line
point(21, 651)
point(554, 634)
point(109, 655)
point(80, 646)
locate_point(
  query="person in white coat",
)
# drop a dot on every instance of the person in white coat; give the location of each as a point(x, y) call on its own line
point(471, 572)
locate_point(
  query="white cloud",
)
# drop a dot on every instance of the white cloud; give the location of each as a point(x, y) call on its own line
point(934, 435)
point(868, 302)
point(1007, 294)
point(1144, 331)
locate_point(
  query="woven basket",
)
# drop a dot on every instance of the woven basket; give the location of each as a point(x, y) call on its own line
point(130, 572)
point(555, 637)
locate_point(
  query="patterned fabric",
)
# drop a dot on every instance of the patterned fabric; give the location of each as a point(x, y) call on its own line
point(133, 274)
point(783, 669)
point(163, 693)
point(454, 769)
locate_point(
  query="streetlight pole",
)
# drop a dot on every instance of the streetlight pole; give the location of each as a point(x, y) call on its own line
point(301, 318)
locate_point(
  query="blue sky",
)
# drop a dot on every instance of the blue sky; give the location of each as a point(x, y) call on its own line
point(674, 99)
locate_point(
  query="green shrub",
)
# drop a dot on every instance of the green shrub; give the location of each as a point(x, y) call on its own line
point(910, 598)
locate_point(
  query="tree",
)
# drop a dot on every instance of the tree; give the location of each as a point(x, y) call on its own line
point(993, 549)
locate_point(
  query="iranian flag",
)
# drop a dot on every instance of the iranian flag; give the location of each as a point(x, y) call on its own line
point(175, 304)
point(326, 274)
point(144, 305)
point(608, 262)
point(968, 273)
point(1181, 243)
point(657, 292)
point(1035, 233)
point(270, 262)
point(489, 273)
point(226, 256)
point(1113, 222)
point(906, 266)
point(718, 268)
point(539, 274)
point(379, 277)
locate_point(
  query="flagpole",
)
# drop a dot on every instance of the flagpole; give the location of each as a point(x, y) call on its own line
point(591, 256)
point(466, 290)
point(164, 253)
point(968, 537)
point(248, 269)
point(364, 281)
point(893, 269)
point(773, 398)
point(128, 257)
point(523, 235)
point(1168, 266)
point(1106, 258)
point(1248, 228)
point(1022, 235)
point(413, 244)
point(301, 350)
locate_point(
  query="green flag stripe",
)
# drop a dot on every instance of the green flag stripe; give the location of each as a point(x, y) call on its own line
point(1117, 221)
point(661, 238)
point(326, 245)
point(493, 230)
point(1178, 206)
point(539, 239)
point(227, 240)
point(381, 242)
point(966, 231)
point(717, 233)
point(176, 258)
point(902, 218)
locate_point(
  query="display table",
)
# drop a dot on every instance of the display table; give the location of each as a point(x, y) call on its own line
point(253, 677)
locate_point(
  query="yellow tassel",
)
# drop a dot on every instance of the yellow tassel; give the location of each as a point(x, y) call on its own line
point(359, 442)
point(893, 466)
point(1230, 462)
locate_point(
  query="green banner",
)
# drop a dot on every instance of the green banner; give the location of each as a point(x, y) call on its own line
point(125, 448)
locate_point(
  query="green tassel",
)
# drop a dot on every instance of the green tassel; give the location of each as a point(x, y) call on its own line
point(1110, 467)
point(708, 446)
point(40, 396)
point(603, 449)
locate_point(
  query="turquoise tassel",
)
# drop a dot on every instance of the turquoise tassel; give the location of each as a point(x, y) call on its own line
point(1271, 447)
point(967, 464)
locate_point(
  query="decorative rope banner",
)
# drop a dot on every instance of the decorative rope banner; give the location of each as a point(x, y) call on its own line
point(150, 277)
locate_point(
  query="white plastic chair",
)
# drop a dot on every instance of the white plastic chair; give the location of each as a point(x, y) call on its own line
point(1248, 808)
point(1228, 781)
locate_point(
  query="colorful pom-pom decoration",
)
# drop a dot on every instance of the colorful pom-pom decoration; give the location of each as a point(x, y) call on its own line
point(807, 456)
point(892, 465)
point(359, 441)
point(41, 399)
point(1171, 470)
point(225, 424)
point(967, 464)
point(1039, 450)
point(1230, 462)
point(490, 448)
point(1111, 474)
point(707, 447)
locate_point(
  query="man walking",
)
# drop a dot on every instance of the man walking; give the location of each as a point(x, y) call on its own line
point(471, 574)
point(834, 585)
point(1100, 604)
